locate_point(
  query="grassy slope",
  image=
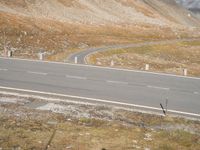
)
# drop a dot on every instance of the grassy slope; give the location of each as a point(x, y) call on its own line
point(168, 58)
point(29, 35)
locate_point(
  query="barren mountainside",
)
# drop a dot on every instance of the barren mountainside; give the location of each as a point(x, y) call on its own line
point(157, 12)
point(57, 26)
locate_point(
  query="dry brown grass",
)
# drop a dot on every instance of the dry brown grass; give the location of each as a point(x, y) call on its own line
point(29, 35)
point(169, 58)
point(25, 128)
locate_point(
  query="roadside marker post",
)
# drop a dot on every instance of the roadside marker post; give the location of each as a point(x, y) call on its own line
point(185, 72)
point(9, 54)
point(40, 56)
point(147, 67)
point(76, 60)
point(166, 107)
point(112, 63)
point(163, 109)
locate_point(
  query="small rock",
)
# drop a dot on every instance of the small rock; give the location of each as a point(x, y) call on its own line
point(69, 147)
point(136, 146)
point(148, 139)
point(148, 135)
point(98, 63)
point(87, 133)
point(69, 119)
point(134, 141)
point(52, 122)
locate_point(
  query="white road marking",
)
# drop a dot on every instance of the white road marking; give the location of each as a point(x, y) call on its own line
point(100, 67)
point(100, 100)
point(197, 93)
point(76, 77)
point(156, 87)
point(37, 73)
point(116, 82)
point(1, 69)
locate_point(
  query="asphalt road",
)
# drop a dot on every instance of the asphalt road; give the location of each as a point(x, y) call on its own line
point(125, 86)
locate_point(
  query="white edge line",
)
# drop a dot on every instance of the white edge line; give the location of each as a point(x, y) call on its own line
point(116, 82)
point(156, 87)
point(3, 69)
point(101, 67)
point(38, 73)
point(45, 98)
point(100, 100)
point(75, 102)
point(76, 77)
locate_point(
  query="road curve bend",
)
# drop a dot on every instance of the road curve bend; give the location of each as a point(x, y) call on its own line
point(81, 56)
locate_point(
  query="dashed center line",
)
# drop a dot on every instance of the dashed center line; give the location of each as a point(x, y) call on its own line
point(116, 82)
point(37, 73)
point(157, 87)
point(76, 77)
point(1, 69)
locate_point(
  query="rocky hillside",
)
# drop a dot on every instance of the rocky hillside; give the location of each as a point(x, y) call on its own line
point(157, 12)
point(57, 26)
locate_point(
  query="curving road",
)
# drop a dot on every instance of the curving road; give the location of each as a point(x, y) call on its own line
point(81, 56)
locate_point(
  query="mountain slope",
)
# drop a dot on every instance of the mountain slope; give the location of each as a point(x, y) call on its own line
point(59, 25)
point(158, 12)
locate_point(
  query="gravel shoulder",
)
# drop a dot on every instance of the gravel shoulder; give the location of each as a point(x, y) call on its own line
point(29, 123)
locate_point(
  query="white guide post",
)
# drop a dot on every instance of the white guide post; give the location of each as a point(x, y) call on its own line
point(76, 60)
point(112, 63)
point(147, 67)
point(185, 72)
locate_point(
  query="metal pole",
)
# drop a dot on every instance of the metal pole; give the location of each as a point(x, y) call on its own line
point(163, 109)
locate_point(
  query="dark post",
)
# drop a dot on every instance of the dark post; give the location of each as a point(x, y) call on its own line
point(163, 109)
